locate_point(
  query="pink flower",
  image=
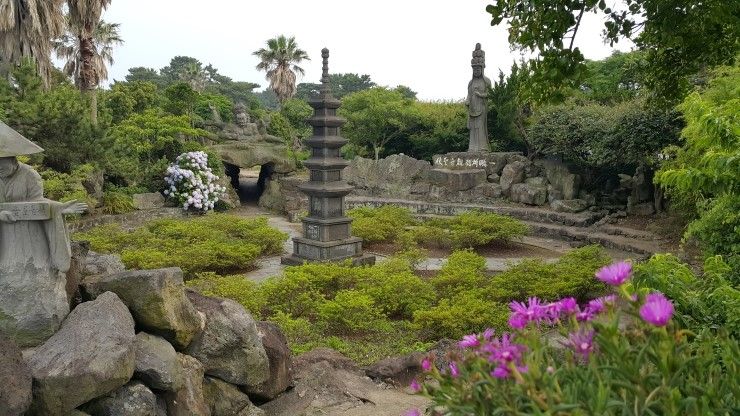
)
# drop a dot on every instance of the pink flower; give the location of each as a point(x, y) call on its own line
point(488, 334)
point(585, 315)
point(415, 386)
point(469, 341)
point(615, 274)
point(454, 371)
point(413, 412)
point(582, 343)
point(500, 372)
point(598, 305)
point(426, 365)
point(568, 305)
point(533, 311)
point(657, 309)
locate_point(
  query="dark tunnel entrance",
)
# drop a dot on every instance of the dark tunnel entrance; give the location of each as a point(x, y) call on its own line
point(249, 183)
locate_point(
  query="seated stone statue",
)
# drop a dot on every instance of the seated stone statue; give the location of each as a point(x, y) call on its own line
point(34, 247)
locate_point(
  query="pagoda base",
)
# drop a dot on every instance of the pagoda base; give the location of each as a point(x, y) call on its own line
point(308, 250)
point(361, 260)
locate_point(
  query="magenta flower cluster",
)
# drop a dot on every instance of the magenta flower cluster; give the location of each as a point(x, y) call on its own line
point(657, 309)
point(503, 353)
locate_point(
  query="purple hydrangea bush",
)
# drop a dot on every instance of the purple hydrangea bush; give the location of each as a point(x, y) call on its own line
point(192, 184)
point(619, 354)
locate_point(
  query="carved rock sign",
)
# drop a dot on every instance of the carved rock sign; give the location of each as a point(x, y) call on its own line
point(28, 211)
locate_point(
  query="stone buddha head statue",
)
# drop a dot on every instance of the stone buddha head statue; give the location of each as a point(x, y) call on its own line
point(478, 62)
point(241, 116)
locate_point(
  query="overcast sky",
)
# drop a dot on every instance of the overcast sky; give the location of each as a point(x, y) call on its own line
point(424, 44)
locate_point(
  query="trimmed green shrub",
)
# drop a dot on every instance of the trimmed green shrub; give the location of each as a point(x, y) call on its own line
point(379, 224)
point(453, 318)
point(469, 230)
point(352, 312)
point(464, 271)
point(215, 243)
point(117, 202)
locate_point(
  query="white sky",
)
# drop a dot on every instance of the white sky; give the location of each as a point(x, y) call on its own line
point(424, 44)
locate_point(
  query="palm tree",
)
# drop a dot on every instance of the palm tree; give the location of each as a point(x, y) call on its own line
point(27, 28)
point(84, 19)
point(280, 60)
point(68, 48)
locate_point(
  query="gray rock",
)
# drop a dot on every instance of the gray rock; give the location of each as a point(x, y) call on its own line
point(571, 185)
point(536, 181)
point(157, 364)
point(247, 154)
point(458, 180)
point(570, 205)
point(157, 301)
point(33, 298)
point(133, 399)
point(279, 358)
point(513, 173)
point(494, 178)
point(91, 355)
point(189, 400)
point(15, 379)
point(152, 200)
point(93, 183)
point(528, 194)
point(398, 370)
point(76, 412)
point(553, 194)
point(334, 358)
point(97, 263)
point(489, 190)
point(420, 188)
point(224, 399)
point(229, 346)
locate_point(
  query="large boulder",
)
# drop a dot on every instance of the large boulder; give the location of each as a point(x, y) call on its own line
point(15, 379)
point(97, 263)
point(229, 346)
point(157, 301)
point(335, 359)
point(189, 400)
point(569, 205)
point(529, 194)
point(133, 399)
point(157, 364)
point(398, 370)
point(224, 399)
point(33, 301)
point(458, 180)
point(512, 173)
point(91, 355)
point(561, 178)
point(392, 176)
point(279, 358)
point(152, 200)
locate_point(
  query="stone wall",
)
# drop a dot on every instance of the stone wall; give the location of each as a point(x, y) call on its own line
point(507, 177)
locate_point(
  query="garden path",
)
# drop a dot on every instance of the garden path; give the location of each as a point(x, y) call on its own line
point(270, 266)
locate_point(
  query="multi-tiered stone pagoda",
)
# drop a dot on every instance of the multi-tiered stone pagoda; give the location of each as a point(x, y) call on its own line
point(326, 229)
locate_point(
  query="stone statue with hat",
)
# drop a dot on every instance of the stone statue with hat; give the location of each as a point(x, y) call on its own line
point(477, 103)
point(34, 247)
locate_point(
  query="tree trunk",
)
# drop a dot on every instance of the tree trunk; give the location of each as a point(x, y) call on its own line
point(377, 151)
point(94, 106)
point(88, 75)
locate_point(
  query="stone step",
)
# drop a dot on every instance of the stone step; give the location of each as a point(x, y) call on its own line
point(525, 213)
point(628, 232)
point(643, 247)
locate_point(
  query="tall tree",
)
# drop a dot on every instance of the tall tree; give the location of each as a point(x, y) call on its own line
point(27, 28)
point(68, 47)
point(84, 19)
point(280, 61)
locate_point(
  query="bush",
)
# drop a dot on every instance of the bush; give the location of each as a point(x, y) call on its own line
point(453, 318)
point(702, 301)
point(379, 224)
point(64, 187)
point(352, 312)
point(718, 231)
point(192, 183)
point(215, 243)
point(571, 275)
point(235, 287)
point(469, 229)
point(464, 271)
point(619, 355)
point(117, 202)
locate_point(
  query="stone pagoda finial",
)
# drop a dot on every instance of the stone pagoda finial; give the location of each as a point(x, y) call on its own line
point(325, 88)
